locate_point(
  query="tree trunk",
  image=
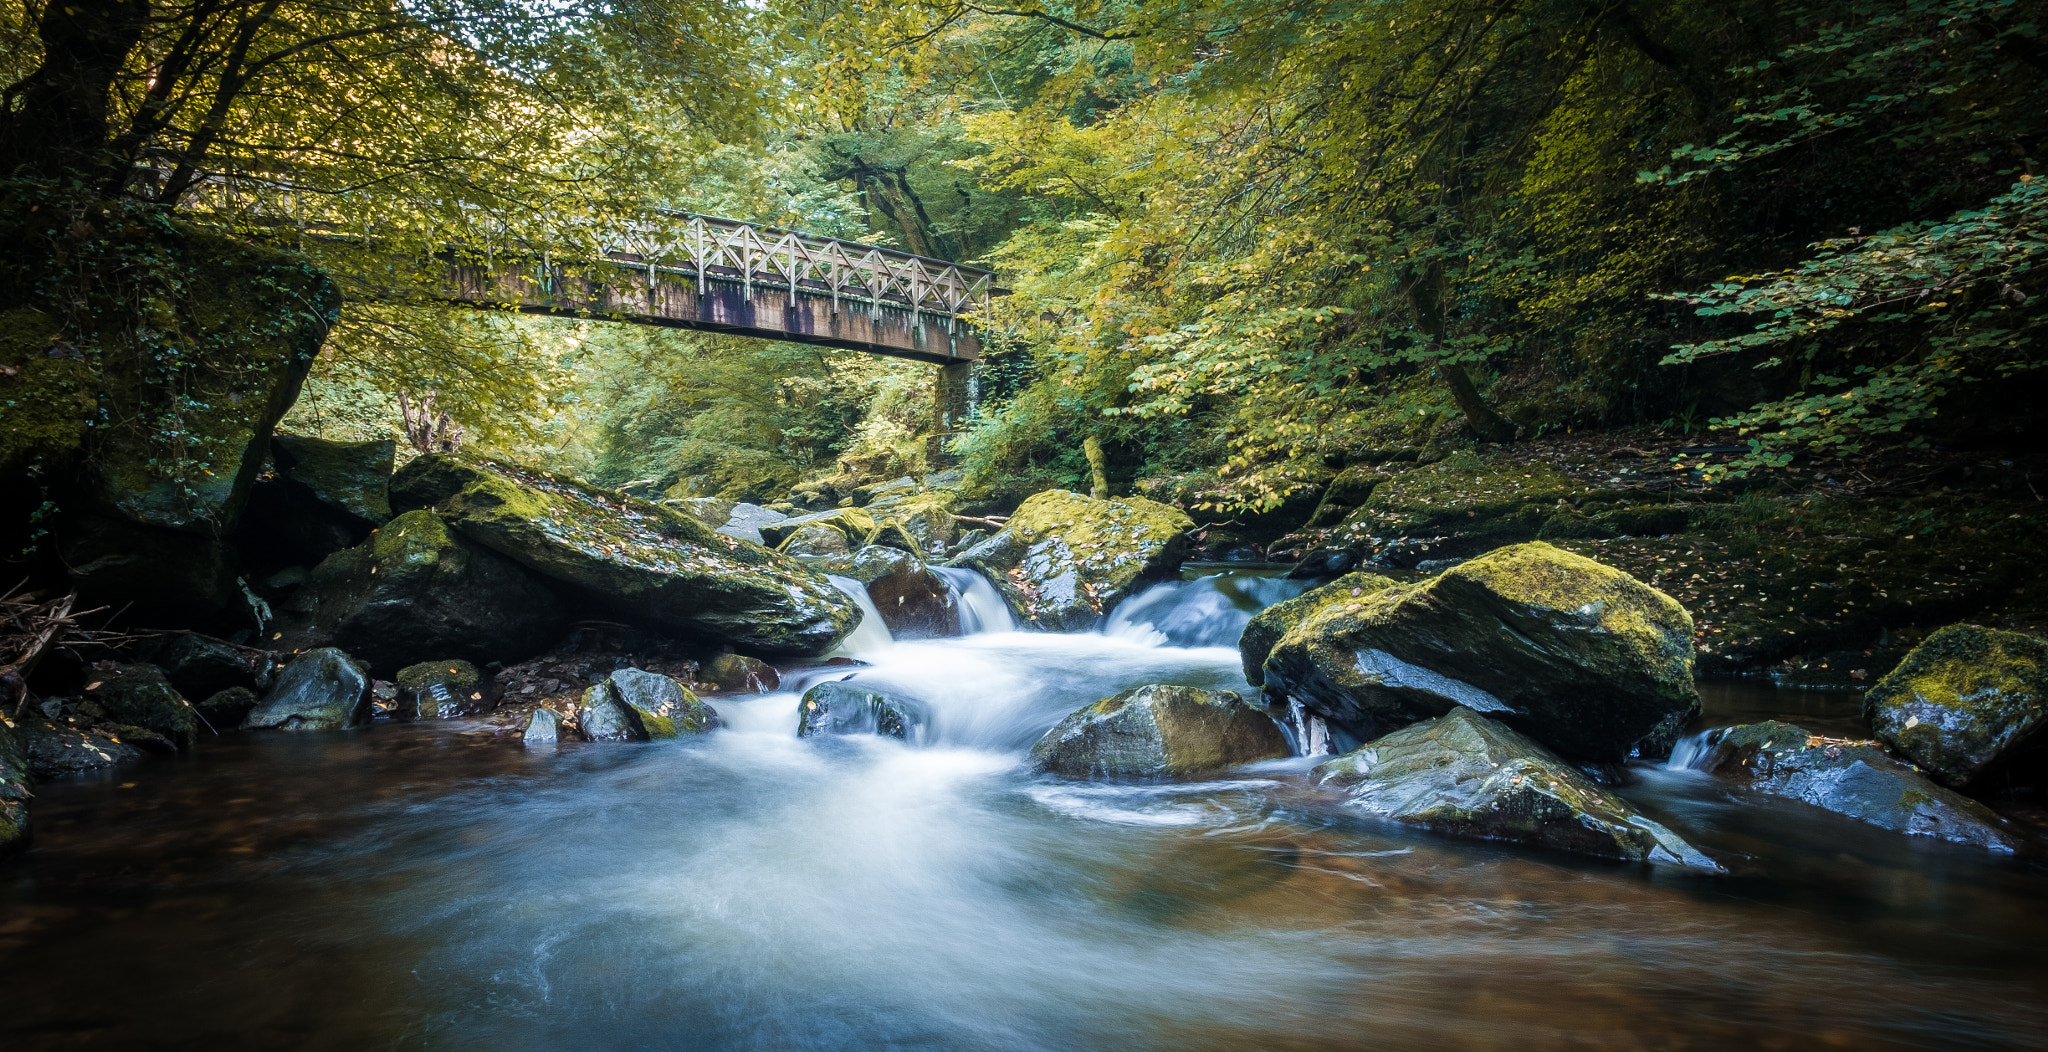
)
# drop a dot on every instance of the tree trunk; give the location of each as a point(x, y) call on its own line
point(55, 123)
point(1489, 425)
point(1098, 466)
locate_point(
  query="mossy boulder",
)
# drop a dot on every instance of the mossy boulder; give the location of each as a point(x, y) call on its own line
point(1266, 627)
point(730, 671)
point(442, 690)
point(1064, 559)
point(1350, 489)
point(644, 562)
point(665, 708)
point(1582, 657)
point(53, 750)
point(816, 540)
point(925, 519)
point(416, 591)
point(1469, 776)
point(139, 694)
point(846, 707)
point(14, 787)
point(47, 396)
point(353, 478)
point(321, 690)
point(856, 527)
point(1966, 704)
point(1854, 778)
point(1160, 730)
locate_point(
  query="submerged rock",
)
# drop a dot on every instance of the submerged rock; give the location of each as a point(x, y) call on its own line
point(442, 690)
point(1470, 776)
point(14, 791)
point(1852, 778)
point(664, 707)
point(1584, 658)
point(844, 707)
point(649, 563)
point(1159, 730)
point(416, 592)
point(320, 690)
point(732, 671)
point(1266, 627)
point(1064, 559)
point(140, 695)
point(53, 750)
point(1966, 703)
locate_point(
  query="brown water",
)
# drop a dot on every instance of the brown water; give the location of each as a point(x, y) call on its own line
point(422, 887)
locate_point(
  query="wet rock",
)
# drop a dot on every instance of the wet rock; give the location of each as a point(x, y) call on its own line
point(1853, 778)
point(14, 790)
point(730, 671)
point(138, 737)
point(54, 750)
point(415, 591)
point(815, 539)
point(1159, 730)
point(1470, 776)
point(1580, 656)
point(200, 667)
point(665, 707)
point(1965, 704)
point(845, 707)
point(1267, 626)
point(747, 520)
point(139, 694)
point(353, 478)
point(650, 564)
point(226, 709)
point(442, 690)
point(320, 690)
point(544, 728)
point(914, 602)
point(1064, 559)
point(856, 527)
point(605, 718)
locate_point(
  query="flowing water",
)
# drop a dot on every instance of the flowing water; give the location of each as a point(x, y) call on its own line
point(432, 887)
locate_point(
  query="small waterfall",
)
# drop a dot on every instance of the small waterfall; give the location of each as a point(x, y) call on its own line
point(1311, 734)
point(1206, 612)
point(871, 636)
point(981, 609)
point(1690, 751)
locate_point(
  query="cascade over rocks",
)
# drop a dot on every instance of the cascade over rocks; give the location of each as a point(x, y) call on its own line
point(846, 707)
point(320, 690)
point(1064, 559)
point(1580, 656)
point(914, 602)
point(1266, 627)
point(1857, 779)
point(1160, 730)
point(140, 695)
point(1470, 776)
point(414, 592)
point(1967, 703)
point(647, 563)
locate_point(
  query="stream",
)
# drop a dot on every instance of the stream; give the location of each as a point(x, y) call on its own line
point(431, 886)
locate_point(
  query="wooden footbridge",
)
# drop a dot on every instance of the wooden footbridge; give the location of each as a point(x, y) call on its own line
point(722, 275)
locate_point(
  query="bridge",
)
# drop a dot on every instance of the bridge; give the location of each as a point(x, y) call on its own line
point(722, 275)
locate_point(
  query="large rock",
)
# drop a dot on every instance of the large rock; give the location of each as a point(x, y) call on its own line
point(1852, 778)
point(1266, 627)
point(416, 592)
point(846, 707)
point(14, 791)
point(1064, 559)
point(448, 689)
point(855, 525)
point(665, 707)
point(320, 690)
point(1966, 704)
point(162, 576)
point(648, 563)
point(748, 520)
point(926, 519)
point(140, 695)
point(353, 478)
point(1467, 775)
point(1584, 658)
point(53, 751)
point(1160, 730)
point(604, 717)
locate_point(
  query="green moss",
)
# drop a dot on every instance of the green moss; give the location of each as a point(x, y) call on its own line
point(1463, 486)
point(1648, 622)
point(416, 538)
point(1268, 626)
point(1087, 523)
point(1963, 700)
point(45, 402)
point(455, 673)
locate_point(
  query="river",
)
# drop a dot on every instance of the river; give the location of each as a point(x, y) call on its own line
point(430, 886)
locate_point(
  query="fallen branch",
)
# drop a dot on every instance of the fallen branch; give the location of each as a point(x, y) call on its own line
point(990, 522)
